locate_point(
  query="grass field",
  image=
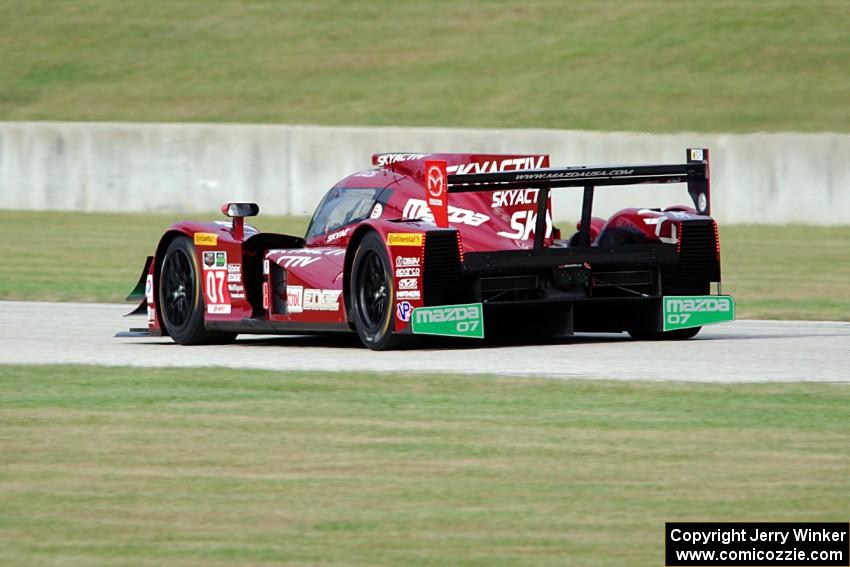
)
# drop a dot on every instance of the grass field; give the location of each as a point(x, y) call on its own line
point(785, 272)
point(119, 466)
point(647, 65)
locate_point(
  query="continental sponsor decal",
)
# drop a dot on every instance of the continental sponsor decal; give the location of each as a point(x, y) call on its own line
point(404, 239)
point(206, 239)
point(686, 311)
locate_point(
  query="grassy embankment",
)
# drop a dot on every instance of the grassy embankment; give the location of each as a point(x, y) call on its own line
point(647, 65)
point(780, 272)
point(120, 466)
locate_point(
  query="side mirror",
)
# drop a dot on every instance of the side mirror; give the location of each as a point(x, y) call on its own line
point(238, 212)
point(234, 210)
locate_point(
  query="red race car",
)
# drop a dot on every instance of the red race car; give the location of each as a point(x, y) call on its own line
point(447, 244)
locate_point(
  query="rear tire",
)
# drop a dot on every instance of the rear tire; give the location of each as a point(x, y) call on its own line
point(372, 294)
point(179, 297)
point(677, 335)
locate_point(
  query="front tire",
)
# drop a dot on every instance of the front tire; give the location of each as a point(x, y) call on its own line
point(372, 294)
point(179, 298)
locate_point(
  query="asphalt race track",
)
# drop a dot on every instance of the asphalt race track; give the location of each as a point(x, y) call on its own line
point(744, 351)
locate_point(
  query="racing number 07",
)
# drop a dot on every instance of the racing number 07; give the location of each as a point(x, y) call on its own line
point(215, 286)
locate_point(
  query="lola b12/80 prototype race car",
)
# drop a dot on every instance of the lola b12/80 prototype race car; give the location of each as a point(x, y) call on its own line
point(458, 245)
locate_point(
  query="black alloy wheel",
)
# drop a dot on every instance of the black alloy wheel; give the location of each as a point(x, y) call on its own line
point(372, 294)
point(180, 300)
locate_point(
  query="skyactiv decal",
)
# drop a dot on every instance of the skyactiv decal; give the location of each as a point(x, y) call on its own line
point(523, 224)
point(449, 321)
point(686, 311)
point(509, 164)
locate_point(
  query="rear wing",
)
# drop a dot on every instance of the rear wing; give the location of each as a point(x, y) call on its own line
point(694, 172)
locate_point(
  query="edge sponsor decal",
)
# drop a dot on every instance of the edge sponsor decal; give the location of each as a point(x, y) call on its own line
point(404, 239)
point(687, 311)
point(206, 239)
point(403, 311)
point(321, 299)
point(449, 321)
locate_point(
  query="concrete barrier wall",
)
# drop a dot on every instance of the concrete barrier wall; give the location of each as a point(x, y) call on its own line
point(756, 178)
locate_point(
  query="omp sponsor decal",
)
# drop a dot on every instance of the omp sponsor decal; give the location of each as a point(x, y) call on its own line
point(407, 272)
point(149, 288)
point(449, 320)
point(685, 311)
point(407, 261)
point(206, 239)
point(338, 234)
point(321, 299)
point(523, 224)
point(216, 294)
point(403, 311)
point(408, 283)
point(512, 197)
point(214, 260)
point(294, 298)
point(509, 164)
point(409, 294)
point(419, 209)
point(404, 239)
point(386, 159)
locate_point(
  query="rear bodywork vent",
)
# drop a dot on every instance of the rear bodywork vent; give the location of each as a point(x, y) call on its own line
point(442, 279)
point(697, 253)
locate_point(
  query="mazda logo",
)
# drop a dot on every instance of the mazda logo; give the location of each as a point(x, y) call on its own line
point(435, 182)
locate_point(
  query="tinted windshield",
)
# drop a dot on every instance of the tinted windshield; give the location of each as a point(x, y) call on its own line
point(341, 207)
